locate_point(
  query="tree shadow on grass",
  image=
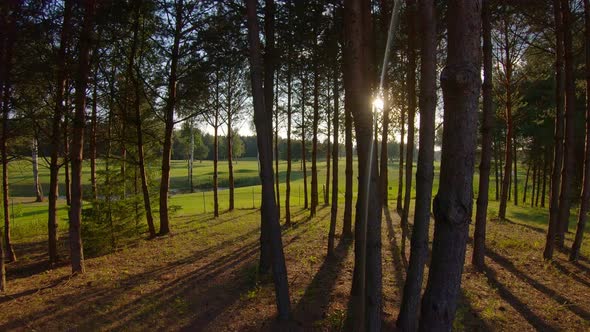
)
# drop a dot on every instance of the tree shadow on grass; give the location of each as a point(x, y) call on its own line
point(399, 266)
point(314, 302)
point(570, 273)
point(509, 266)
point(516, 303)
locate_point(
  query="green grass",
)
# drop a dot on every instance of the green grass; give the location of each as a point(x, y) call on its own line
point(30, 219)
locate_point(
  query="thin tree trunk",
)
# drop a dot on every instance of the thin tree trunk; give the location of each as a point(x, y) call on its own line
point(514, 157)
point(569, 161)
point(383, 170)
point(314, 143)
point(303, 149)
point(334, 209)
point(169, 128)
point(558, 135)
point(506, 183)
point(496, 166)
point(39, 197)
point(347, 220)
point(411, 78)
point(138, 125)
point(289, 119)
point(408, 317)
point(585, 196)
point(230, 138)
point(55, 139)
point(545, 163)
point(3, 37)
point(479, 235)
point(526, 184)
point(77, 155)
point(400, 183)
point(66, 144)
point(93, 127)
point(328, 152)
point(263, 122)
point(216, 148)
point(453, 204)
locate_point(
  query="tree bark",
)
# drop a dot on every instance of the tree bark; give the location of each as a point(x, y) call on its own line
point(400, 183)
point(314, 142)
point(93, 127)
point(558, 134)
point(216, 148)
point(479, 235)
point(334, 209)
point(408, 317)
point(39, 197)
point(569, 161)
point(66, 144)
point(289, 119)
point(276, 141)
point(169, 128)
point(328, 153)
point(303, 149)
point(411, 78)
point(545, 163)
point(347, 220)
point(138, 125)
point(514, 157)
point(496, 167)
point(230, 164)
point(453, 204)
point(79, 121)
point(56, 133)
point(585, 196)
point(263, 122)
point(526, 184)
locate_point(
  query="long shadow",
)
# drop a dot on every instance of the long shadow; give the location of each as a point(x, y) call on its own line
point(316, 298)
point(473, 322)
point(398, 266)
point(516, 303)
point(509, 266)
point(530, 227)
point(572, 274)
point(11, 297)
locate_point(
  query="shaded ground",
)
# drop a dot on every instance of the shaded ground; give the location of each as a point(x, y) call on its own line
point(204, 277)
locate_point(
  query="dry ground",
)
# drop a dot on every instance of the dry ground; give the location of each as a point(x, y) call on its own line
point(204, 277)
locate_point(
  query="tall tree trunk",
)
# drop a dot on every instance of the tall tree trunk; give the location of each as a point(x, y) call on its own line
point(569, 161)
point(191, 158)
point(39, 197)
point(408, 317)
point(347, 220)
point(585, 196)
point(79, 121)
point(3, 37)
point(66, 144)
point(289, 119)
point(383, 170)
point(509, 128)
point(453, 204)
point(276, 141)
point(479, 234)
point(93, 127)
point(411, 78)
point(314, 142)
point(303, 148)
point(269, 74)
point(138, 125)
point(55, 139)
point(169, 128)
point(400, 182)
point(230, 138)
point(366, 290)
point(263, 122)
point(328, 152)
point(216, 148)
point(334, 209)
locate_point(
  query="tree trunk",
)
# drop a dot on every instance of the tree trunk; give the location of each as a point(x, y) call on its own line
point(66, 144)
point(334, 209)
point(303, 149)
point(408, 317)
point(453, 204)
point(169, 128)
point(526, 184)
point(230, 138)
point(383, 170)
point(289, 119)
point(496, 166)
point(558, 135)
point(366, 291)
point(138, 125)
point(400, 183)
point(39, 197)
point(216, 148)
point(514, 157)
point(276, 141)
point(191, 158)
point(347, 220)
point(77, 155)
point(55, 139)
point(545, 163)
point(509, 128)
point(93, 127)
point(569, 161)
point(479, 234)
point(328, 152)
point(263, 122)
point(585, 196)
point(314, 143)
point(411, 78)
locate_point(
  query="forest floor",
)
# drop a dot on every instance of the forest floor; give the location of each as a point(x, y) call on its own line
point(204, 277)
